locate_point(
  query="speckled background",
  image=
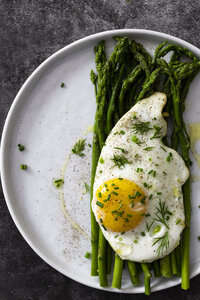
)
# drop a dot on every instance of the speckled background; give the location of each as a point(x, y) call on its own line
point(30, 31)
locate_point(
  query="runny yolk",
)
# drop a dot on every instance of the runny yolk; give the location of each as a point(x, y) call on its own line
point(121, 204)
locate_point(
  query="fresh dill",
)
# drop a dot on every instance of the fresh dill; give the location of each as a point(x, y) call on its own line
point(163, 243)
point(120, 161)
point(118, 148)
point(157, 133)
point(148, 148)
point(161, 214)
point(136, 140)
point(79, 147)
point(141, 127)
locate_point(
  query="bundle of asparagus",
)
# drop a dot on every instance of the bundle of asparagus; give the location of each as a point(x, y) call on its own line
point(126, 77)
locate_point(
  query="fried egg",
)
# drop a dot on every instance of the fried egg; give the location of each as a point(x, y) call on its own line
point(137, 195)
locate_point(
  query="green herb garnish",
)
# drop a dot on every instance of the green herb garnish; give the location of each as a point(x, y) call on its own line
point(21, 147)
point(157, 133)
point(141, 127)
point(120, 161)
point(148, 148)
point(100, 204)
point(23, 167)
point(79, 147)
point(87, 255)
point(136, 140)
point(58, 183)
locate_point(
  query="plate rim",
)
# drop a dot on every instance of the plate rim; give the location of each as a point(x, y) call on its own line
point(11, 112)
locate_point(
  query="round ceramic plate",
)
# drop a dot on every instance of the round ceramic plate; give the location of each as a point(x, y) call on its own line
point(48, 120)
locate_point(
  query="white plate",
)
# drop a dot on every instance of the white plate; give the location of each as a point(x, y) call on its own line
point(48, 120)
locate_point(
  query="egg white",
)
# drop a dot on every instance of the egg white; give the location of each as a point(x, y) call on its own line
point(170, 176)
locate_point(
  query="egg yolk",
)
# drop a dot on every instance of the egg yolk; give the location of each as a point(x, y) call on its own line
point(121, 204)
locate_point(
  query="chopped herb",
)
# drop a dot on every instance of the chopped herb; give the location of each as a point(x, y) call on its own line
point(147, 215)
point(148, 148)
point(23, 167)
point(134, 117)
point(123, 151)
point(136, 155)
point(136, 140)
point(116, 236)
point(163, 148)
point(120, 178)
point(114, 193)
point(87, 254)
point(154, 173)
point(100, 171)
point(156, 229)
point(99, 195)
point(21, 147)
point(79, 147)
point(113, 184)
point(120, 206)
point(141, 127)
point(169, 157)
point(150, 197)
point(199, 206)
point(108, 198)
point(157, 133)
point(114, 211)
point(178, 221)
point(159, 193)
point(142, 233)
point(100, 204)
point(121, 132)
point(135, 241)
point(148, 186)
point(87, 187)
point(105, 185)
point(143, 200)
point(101, 160)
point(104, 227)
point(120, 161)
point(150, 172)
point(120, 239)
point(101, 220)
point(116, 188)
point(137, 194)
point(122, 232)
point(58, 183)
point(164, 173)
point(150, 159)
point(139, 170)
point(199, 238)
point(130, 216)
point(62, 85)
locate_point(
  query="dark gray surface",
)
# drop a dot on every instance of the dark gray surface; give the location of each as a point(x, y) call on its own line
point(30, 31)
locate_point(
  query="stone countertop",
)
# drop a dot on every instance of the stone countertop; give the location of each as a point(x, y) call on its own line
point(30, 31)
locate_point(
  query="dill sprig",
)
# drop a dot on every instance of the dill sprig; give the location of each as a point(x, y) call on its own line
point(141, 127)
point(157, 133)
point(163, 243)
point(136, 140)
point(120, 161)
point(79, 147)
point(161, 214)
point(87, 187)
